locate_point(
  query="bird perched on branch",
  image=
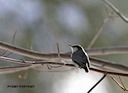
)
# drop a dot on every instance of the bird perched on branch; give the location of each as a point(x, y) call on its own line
point(80, 57)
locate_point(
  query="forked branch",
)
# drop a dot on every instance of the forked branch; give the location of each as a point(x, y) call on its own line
point(116, 10)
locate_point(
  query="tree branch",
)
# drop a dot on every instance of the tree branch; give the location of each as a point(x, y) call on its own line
point(97, 83)
point(31, 64)
point(116, 10)
point(95, 37)
point(108, 50)
point(91, 52)
point(66, 57)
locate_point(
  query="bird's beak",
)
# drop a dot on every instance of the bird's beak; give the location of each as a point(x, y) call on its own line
point(69, 45)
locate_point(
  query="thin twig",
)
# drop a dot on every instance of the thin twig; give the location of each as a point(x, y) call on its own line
point(14, 36)
point(12, 60)
point(58, 51)
point(98, 33)
point(97, 83)
point(8, 70)
point(121, 86)
point(116, 10)
point(13, 41)
point(109, 15)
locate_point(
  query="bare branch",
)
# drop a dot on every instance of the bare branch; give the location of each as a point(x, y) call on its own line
point(14, 60)
point(121, 86)
point(66, 57)
point(13, 41)
point(122, 83)
point(7, 70)
point(109, 72)
point(116, 10)
point(31, 64)
point(30, 54)
point(104, 64)
point(91, 52)
point(98, 33)
point(97, 83)
point(58, 51)
point(108, 50)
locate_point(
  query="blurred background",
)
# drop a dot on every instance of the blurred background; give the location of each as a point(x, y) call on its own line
point(40, 24)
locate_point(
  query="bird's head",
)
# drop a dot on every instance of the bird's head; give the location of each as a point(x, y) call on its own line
point(75, 47)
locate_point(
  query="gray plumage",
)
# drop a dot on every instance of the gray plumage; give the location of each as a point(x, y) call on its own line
point(80, 57)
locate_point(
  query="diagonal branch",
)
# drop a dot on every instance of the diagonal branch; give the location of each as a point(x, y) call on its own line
point(116, 10)
point(97, 83)
point(98, 32)
point(120, 85)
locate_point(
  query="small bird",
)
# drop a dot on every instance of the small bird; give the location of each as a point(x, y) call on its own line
point(80, 57)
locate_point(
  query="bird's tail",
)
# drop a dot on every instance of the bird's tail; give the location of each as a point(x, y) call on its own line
point(86, 68)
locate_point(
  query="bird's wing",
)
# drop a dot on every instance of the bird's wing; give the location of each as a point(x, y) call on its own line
point(86, 59)
point(81, 61)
